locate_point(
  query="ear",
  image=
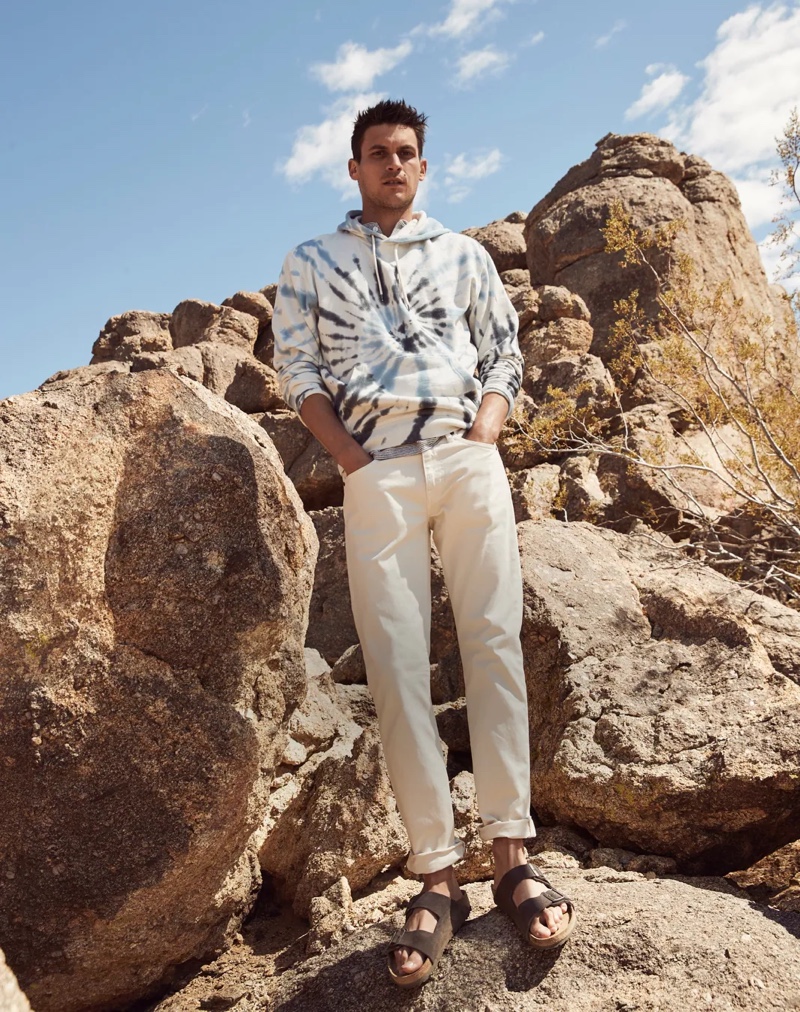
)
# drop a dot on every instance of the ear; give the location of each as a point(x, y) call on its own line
point(423, 167)
point(352, 168)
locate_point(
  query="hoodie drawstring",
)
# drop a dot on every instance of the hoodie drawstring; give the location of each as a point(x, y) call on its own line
point(377, 271)
point(400, 284)
point(398, 272)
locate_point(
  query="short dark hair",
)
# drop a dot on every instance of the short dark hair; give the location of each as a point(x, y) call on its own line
point(387, 112)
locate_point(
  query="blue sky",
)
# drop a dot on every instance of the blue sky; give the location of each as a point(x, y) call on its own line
point(156, 151)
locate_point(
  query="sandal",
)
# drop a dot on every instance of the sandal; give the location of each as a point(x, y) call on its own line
point(450, 915)
point(526, 913)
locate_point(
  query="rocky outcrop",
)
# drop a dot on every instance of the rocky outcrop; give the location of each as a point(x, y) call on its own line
point(775, 879)
point(129, 334)
point(656, 183)
point(343, 821)
point(641, 943)
point(664, 699)
point(156, 573)
point(503, 240)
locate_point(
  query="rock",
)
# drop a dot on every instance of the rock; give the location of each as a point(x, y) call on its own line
point(350, 822)
point(330, 916)
point(349, 669)
point(656, 183)
point(451, 720)
point(559, 303)
point(194, 322)
point(131, 333)
point(235, 375)
point(360, 703)
point(658, 721)
point(503, 241)
point(258, 305)
point(583, 378)
point(11, 998)
point(610, 857)
point(156, 572)
point(321, 715)
point(331, 629)
point(186, 362)
point(639, 944)
point(562, 338)
point(308, 464)
point(775, 879)
point(478, 863)
point(516, 278)
point(560, 839)
point(269, 292)
point(534, 491)
point(254, 304)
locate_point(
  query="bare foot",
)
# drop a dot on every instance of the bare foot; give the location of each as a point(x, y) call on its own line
point(509, 854)
point(442, 882)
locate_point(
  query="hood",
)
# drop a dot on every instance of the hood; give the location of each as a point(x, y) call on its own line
point(421, 227)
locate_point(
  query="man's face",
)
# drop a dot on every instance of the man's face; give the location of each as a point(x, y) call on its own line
point(390, 169)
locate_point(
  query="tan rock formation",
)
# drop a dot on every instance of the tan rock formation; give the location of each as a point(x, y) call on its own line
point(665, 709)
point(308, 464)
point(156, 572)
point(656, 184)
point(350, 824)
point(655, 945)
point(503, 240)
point(194, 321)
point(131, 333)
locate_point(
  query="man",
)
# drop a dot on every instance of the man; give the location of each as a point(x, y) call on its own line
point(379, 330)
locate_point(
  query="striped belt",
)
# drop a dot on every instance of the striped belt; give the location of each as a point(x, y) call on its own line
point(407, 449)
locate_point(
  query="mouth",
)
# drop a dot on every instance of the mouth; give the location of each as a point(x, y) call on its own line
point(395, 182)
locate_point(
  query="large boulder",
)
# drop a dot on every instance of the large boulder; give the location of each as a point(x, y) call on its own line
point(503, 240)
point(156, 573)
point(656, 183)
point(648, 944)
point(664, 699)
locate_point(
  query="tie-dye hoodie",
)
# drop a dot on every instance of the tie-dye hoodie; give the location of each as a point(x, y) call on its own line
point(392, 329)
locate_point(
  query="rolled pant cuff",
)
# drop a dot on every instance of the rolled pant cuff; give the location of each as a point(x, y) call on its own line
point(435, 860)
point(520, 829)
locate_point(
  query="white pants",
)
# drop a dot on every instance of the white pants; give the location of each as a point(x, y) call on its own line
point(458, 489)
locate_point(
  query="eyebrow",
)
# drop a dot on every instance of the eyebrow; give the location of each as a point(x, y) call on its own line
point(383, 147)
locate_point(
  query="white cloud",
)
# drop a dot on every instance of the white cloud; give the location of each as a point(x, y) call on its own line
point(200, 112)
point(246, 120)
point(535, 39)
point(479, 62)
point(667, 83)
point(356, 68)
point(751, 83)
point(760, 200)
point(322, 150)
point(462, 171)
point(466, 15)
point(603, 40)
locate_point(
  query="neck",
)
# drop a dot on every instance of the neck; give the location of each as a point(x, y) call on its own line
point(386, 219)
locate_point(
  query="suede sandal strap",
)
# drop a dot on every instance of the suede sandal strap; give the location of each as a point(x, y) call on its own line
point(451, 915)
point(504, 894)
point(423, 941)
point(435, 902)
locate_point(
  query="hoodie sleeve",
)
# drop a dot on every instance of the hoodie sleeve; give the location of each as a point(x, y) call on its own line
point(294, 325)
point(493, 322)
